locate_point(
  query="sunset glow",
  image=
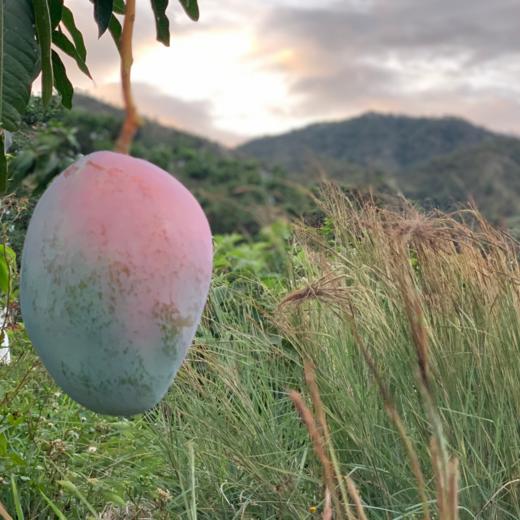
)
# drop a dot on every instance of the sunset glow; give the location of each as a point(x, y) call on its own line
point(249, 68)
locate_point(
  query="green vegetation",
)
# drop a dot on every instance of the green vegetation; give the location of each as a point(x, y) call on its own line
point(405, 290)
point(442, 163)
point(386, 142)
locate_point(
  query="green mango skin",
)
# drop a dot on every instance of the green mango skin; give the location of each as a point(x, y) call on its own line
point(115, 274)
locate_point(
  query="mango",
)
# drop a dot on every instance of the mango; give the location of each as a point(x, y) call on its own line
point(115, 273)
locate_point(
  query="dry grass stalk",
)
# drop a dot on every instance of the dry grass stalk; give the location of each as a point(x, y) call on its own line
point(446, 470)
point(440, 458)
point(429, 266)
point(496, 494)
point(418, 329)
point(447, 483)
point(325, 289)
point(453, 489)
point(440, 479)
point(319, 410)
point(354, 494)
point(317, 443)
point(394, 416)
point(4, 514)
point(327, 508)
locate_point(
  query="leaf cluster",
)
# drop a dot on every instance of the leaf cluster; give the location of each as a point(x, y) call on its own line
point(37, 33)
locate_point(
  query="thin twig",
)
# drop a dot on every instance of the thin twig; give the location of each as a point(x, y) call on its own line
point(131, 122)
point(9, 396)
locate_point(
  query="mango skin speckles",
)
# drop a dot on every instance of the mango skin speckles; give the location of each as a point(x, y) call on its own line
point(115, 274)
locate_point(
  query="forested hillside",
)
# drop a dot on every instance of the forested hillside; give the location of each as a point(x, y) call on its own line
point(372, 140)
point(440, 163)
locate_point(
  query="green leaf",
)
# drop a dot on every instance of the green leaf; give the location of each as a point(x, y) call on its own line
point(162, 24)
point(102, 14)
point(61, 81)
point(62, 42)
point(119, 7)
point(192, 9)
point(56, 10)
point(43, 24)
point(19, 59)
point(3, 445)
point(4, 275)
point(7, 263)
point(115, 30)
point(75, 33)
point(16, 499)
point(3, 165)
point(53, 506)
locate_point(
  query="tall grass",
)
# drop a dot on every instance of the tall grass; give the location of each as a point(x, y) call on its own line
point(376, 376)
point(433, 303)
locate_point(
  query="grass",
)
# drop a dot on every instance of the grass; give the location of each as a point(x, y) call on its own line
point(395, 336)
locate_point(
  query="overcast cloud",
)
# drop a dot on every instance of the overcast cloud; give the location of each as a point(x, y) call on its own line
point(254, 67)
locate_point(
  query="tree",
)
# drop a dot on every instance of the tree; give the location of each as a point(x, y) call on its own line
point(33, 33)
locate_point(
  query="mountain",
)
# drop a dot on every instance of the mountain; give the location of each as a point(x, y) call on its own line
point(375, 141)
point(439, 162)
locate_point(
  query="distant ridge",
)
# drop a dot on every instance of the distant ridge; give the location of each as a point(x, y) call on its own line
point(387, 142)
point(439, 162)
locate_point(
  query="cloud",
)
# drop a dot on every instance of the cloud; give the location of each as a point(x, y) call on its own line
point(358, 56)
point(153, 91)
point(482, 27)
point(255, 67)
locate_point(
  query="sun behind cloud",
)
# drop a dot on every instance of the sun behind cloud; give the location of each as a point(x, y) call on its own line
point(250, 68)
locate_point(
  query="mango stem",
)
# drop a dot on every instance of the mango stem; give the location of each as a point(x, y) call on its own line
point(131, 122)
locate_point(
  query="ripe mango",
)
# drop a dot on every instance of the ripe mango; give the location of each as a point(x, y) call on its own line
point(115, 274)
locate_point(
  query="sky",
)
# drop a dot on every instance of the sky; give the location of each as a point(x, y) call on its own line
point(258, 67)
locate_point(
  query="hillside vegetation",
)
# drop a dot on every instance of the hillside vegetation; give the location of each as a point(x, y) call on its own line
point(237, 194)
point(372, 140)
point(440, 162)
point(437, 163)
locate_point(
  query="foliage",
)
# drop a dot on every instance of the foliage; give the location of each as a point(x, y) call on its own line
point(7, 270)
point(35, 32)
point(19, 65)
point(227, 443)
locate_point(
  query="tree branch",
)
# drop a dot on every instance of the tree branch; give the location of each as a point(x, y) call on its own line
point(131, 122)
